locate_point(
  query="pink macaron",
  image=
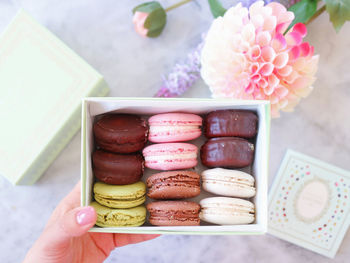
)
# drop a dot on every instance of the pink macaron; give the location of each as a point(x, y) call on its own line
point(174, 127)
point(170, 156)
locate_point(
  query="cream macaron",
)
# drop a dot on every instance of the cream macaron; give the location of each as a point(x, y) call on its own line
point(227, 182)
point(227, 211)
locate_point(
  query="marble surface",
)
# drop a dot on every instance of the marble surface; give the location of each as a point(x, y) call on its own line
point(102, 33)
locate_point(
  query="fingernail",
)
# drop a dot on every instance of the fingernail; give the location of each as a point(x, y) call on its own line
point(86, 216)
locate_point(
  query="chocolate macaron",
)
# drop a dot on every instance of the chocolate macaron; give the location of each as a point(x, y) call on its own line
point(121, 133)
point(227, 152)
point(173, 185)
point(118, 169)
point(174, 213)
point(228, 123)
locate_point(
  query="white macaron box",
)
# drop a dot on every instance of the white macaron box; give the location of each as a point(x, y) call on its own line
point(147, 107)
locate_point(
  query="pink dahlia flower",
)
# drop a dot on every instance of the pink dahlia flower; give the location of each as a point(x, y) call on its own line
point(246, 55)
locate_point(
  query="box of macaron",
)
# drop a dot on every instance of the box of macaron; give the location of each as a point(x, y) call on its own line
point(176, 166)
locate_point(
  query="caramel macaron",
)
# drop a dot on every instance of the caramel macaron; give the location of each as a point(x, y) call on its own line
point(174, 213)
point(174, 185)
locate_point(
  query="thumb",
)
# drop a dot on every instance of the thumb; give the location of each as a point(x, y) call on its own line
point(73, 223)
point(56, 239)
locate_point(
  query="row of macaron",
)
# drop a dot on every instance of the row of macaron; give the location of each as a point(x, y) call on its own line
point(122, 133)
point(222, 150)
point(127, 133)
point(215, 210)
point(116, 202)
point(215, 152)
point(118, 134)
point(120, 169)
point(186, 184)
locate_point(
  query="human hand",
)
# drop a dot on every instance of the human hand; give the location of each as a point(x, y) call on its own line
point(65, 237)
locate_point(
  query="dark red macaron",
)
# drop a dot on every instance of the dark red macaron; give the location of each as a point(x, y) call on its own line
point(121, 133)
point(230, 123)
point(120, 169)
point(173, 185)
point(227, 152)
point(174, 213)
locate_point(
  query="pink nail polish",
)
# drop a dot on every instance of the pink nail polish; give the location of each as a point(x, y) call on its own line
point(86, 216)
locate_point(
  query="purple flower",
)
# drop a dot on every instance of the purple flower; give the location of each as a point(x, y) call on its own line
point(183, 75)
point(248, 3)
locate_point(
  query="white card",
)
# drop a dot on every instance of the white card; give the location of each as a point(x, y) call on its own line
point(309, 203)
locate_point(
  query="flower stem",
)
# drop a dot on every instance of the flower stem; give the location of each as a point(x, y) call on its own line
point(318, 12)
point(177, 5)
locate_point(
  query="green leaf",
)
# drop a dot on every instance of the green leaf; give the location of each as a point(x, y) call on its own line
point(216, 8)
point(339, 12)
point(303, 11)
point(155, 22)
point(147, 7)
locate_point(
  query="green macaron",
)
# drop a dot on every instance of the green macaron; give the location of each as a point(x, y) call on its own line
point(120, 196)
point(109, 217)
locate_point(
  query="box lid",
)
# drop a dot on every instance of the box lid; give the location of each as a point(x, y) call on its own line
point(42, 82)
point(308, 204)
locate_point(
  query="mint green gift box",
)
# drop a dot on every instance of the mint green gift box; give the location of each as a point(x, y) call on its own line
point(42, 82)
